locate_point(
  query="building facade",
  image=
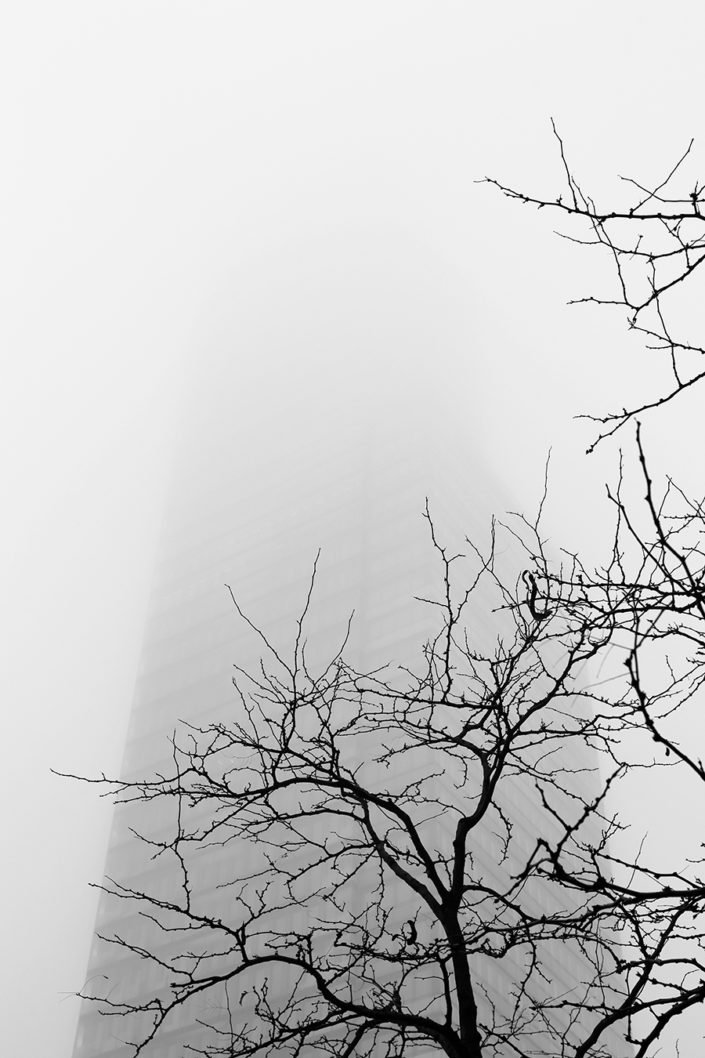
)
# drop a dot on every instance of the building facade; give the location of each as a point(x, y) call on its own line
point(269, 469)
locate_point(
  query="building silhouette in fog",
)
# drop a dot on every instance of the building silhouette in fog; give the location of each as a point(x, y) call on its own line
point(325, 432)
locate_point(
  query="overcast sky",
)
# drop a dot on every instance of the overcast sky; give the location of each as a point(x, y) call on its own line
point(169, 165)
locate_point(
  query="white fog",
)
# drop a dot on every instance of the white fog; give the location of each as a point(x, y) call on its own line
point(289, 189)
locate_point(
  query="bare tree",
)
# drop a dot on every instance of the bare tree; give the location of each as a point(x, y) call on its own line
point(429, 858)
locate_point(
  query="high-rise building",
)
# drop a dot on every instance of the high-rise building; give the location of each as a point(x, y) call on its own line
point(273, 464)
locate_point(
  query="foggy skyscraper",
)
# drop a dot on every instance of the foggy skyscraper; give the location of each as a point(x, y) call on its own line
point(334, 446)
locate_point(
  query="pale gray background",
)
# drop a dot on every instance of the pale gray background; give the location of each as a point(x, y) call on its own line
point(158, 155)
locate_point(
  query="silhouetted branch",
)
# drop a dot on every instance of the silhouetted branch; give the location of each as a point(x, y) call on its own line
point(655, 245)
